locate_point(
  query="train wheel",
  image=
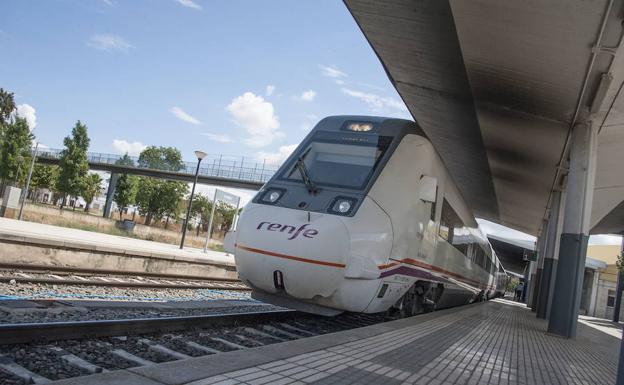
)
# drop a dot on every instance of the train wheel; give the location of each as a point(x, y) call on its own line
point(417, 300)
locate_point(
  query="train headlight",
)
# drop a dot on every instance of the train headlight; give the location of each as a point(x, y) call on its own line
point(359, 127)
point(272, 195)
point(342, 206)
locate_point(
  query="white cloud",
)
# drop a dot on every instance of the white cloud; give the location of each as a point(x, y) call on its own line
point(26, 111)
point(108, 2)
point(277, 157)
point(221, 138)
point(269, 90)
point(376, 102)
point(308, 95)
point(340, 82)
point(257, 117)
point(368, 85)
point(190, 4)
point(109, 42)
point(131, 148)
point(332, 72)
point(183, 116)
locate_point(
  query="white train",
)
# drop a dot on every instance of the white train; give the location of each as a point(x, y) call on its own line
point(364, 217)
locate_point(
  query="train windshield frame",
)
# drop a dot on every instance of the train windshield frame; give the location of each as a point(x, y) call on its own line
point(339, 159)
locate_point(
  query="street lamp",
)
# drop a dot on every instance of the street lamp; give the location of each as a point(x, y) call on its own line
point(200, 155)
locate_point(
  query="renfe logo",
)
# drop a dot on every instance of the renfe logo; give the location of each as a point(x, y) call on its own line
point(308, 233)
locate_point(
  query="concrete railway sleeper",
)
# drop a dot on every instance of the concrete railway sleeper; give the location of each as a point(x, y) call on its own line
point(38, 354)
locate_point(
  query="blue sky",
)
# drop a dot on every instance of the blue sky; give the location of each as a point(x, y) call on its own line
point(236, 77)
point(246, 78)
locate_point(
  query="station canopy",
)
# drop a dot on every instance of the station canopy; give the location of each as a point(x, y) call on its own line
point(497, 86)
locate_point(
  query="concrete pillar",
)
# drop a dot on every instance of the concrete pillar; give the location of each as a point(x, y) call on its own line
point(528, 277)
point(620, 373)
point(110, 194)
point(535, 280)
point(591, 311)
point(618, 292)
point(540, 265)
point(549, 263)
point(573, 248)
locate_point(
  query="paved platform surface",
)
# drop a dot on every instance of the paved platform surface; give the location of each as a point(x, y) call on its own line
point(498, 342)
point(55, 235)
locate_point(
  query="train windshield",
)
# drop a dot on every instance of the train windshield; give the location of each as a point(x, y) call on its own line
point(338, 159)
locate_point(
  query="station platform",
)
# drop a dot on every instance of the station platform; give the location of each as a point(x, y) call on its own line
point(497, 342)
point(40, 244)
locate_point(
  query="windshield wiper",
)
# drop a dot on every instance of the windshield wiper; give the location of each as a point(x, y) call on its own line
point(305, 176)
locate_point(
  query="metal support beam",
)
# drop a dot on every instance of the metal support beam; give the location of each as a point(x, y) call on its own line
point(573, 249)
point(110, 194)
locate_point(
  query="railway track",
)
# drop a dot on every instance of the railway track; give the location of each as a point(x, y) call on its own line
point(40, 353)
point(11, 273)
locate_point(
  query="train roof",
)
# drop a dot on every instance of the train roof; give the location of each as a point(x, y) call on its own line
point(382, 125)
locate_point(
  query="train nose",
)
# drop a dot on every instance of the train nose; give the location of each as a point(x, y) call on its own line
point(276, 248)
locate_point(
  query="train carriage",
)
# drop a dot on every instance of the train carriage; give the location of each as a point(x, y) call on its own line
point(363, 217)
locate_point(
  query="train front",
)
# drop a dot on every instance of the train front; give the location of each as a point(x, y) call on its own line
point(311, 239)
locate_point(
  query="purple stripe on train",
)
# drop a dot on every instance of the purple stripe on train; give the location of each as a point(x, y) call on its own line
point(412, 272)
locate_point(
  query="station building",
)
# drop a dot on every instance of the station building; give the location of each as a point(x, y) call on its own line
point(605, 281)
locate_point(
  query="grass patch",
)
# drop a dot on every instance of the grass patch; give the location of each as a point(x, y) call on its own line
point(217, 248)
point(107, 226)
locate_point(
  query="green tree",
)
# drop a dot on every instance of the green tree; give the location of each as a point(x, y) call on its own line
point(125, 192)
point(161, 158)
point(201, 208)
point(147, 199)
point(224, 215)
point(7, 105)
point(43, 176)
point(73, 163)
point(171, 195)
point(619, 263)
point(157, 198)
point(125, 160)
point(90, 188)
point(126, 188)
point(15, 150)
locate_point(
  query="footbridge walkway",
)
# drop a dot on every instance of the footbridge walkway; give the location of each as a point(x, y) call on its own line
point(215, 169)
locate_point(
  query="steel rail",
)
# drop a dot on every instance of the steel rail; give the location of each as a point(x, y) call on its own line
point(146, 285)
point(54, 331)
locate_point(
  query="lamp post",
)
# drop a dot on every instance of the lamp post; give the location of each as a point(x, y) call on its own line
point(200, 155)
